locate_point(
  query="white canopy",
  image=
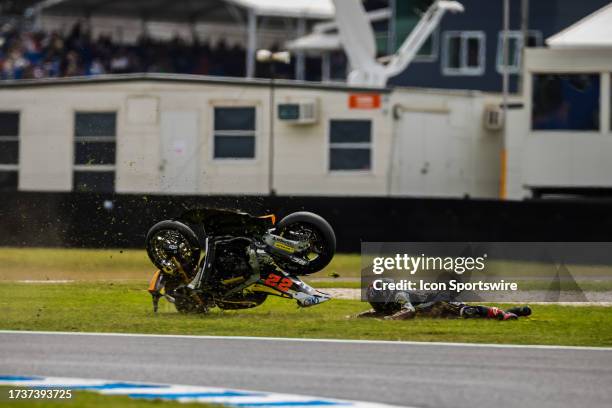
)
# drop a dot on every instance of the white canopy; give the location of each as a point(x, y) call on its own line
point(290, 8)
point(593, 31)
point(190, 10)
point(316, 42)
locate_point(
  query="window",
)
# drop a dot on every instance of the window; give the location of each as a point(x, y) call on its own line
point(350, 145)
point(94, 151)
point(234, 133)
point(515, 47)
point(565, 102)
point(429, 50)
point(463, 53)
point(9, 150)
point(406, 16)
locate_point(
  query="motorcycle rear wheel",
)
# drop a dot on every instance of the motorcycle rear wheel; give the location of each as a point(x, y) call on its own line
point(306, 225)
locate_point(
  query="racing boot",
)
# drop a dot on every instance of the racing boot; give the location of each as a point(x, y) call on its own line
point(486, 312)
point(521, 311)
point(497, 313)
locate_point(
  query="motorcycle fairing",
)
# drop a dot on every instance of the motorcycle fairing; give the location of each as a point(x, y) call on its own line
point(276, 283)
point(284, 285)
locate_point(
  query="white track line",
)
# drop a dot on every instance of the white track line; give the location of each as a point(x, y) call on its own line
point(185, 393)
point(45, 281)
point(305, 340)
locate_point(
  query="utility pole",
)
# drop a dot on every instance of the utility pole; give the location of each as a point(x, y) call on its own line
point(505, 89)
point(525, 36)
point(270, 58)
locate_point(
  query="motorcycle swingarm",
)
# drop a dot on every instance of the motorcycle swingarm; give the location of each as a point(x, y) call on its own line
point(285, 247)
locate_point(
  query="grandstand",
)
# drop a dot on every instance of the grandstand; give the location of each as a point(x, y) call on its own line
point(73, 38)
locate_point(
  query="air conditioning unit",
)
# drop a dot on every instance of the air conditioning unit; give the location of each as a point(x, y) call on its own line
point(493, 117)
point(303, 112)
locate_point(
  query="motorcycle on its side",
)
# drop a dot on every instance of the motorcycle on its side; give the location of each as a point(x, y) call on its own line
point(233, 260)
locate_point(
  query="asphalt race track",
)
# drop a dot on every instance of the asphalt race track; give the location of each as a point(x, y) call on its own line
point(408, 374)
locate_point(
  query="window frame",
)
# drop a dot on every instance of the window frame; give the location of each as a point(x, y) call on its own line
point(231, 133)
point(93, 168)
point(13, 167)
point(435, 48)
point(517, 35)
point(600, 125)
point(330, 145)
point(464, 70)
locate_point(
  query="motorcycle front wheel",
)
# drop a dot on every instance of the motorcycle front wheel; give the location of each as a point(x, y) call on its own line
point(173, 248)
point(301, 226)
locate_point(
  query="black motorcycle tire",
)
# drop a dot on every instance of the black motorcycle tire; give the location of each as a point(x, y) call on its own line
point(182, 229)
point(324, 230)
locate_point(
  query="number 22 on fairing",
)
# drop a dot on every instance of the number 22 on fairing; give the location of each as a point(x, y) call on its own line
point(275, 281)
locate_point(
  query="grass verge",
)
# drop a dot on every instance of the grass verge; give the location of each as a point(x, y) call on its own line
point(82, 399)
point(126, 308)
point(134, 265)
point(111, 264)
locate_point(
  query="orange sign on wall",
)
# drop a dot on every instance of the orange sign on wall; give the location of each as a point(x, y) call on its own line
point(364, 101)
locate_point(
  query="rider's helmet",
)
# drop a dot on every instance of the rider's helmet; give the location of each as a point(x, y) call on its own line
point(383, 300)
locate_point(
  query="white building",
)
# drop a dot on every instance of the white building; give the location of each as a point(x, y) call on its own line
point(559, 140)
point(194, 135)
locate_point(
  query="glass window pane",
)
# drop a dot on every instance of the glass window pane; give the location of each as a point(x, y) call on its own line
point(350, 131)
point(9, 123)
point(427, 49)
point(234, 147)
point(235, 118)
point(513, 52)
point(454, 52)
point(95, 124)
point(9, 152)
point(94, 153)
point(350, 159)
point(8, 180)
point(473, 52)
point(565, 102)
point(94, 181)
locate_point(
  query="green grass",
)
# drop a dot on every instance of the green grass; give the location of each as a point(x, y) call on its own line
point(126, 307)
point(91, 400)
point(111, 264)
point(338, 284)
point(76, 264)
point(133, 265)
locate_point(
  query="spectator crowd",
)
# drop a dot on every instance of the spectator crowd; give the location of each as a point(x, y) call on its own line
point(36, 54)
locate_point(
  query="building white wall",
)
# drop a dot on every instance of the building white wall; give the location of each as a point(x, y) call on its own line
point(441, 147)
point(463, 160)
point(303, 163)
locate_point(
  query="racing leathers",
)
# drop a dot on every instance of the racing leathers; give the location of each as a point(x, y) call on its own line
point(401, 305)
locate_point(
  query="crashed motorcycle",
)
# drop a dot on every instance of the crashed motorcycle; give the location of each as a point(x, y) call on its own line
point(233, 260)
